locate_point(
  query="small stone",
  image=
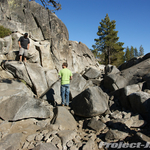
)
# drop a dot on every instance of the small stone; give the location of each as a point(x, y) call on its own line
point(25, 145)
point(69, 143)
point(115, 135)
point(31, 146)
point(56, 140)
point(44, 132)
point(31, 138)
point(96, 125)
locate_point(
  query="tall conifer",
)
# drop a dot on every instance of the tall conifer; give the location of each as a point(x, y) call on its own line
point(107, 43)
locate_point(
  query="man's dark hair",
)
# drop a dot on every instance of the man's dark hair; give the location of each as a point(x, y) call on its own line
point(65, 64)
point(26, 35)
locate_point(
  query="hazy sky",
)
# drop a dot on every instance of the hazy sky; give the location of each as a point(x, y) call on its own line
point(132, 17)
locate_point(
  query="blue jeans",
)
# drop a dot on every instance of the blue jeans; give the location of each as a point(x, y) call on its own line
point(65, 89)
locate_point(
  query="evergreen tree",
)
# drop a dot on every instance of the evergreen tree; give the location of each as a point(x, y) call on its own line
point(136, 54)
point(127, 54)
point(141, 51)
point(107, 43)
point(131, 52)
point(96, 53)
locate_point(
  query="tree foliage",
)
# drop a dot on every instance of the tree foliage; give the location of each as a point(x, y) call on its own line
point(50, 3)
point(4, 32)
point(107, 43)
point(141, 51)
point(133, 52)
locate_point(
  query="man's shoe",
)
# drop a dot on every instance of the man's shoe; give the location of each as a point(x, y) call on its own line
point(20, 62)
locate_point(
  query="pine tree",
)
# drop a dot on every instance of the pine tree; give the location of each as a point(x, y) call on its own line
point(127, 54)
point(96, 53)
point(107, 43)
point(136, 54)
point(141, 51)
point(131, 52)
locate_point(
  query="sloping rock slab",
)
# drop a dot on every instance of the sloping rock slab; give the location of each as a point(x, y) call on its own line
point(37, 76)
point(9, 88)
point(17, 108)
point(18, 71)
point(45, 146)
point(66, 136)
point(91, 102)
point(77, 84)
point(11, 141)
point(64, 119)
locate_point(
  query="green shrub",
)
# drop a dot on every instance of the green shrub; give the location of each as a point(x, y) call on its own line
point(4, 32)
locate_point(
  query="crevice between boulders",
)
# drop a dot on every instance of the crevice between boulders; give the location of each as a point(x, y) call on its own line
point(33, 87)
point(55, 111)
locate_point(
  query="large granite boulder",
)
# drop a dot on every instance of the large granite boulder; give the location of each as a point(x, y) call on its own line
point(9, 88)
point(45, 55)
point(32, 73)
point(140, 103)
point(77, 84)
point(51, 76)
point(37, 76)
point(110, 69)
point(91, 102)
point(92, 73)
point(21, 107)
point(123, 94)
point(5, 44)
point(132, 75)
point(18, 71)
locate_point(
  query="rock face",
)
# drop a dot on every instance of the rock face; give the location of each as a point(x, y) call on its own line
point(50, 45)
point(107, 104)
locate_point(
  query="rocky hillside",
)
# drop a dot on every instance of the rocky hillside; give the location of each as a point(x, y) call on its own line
point(106, 104)
point(50, 45)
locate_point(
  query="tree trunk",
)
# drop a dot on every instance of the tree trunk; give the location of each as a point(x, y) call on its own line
point(109, 55)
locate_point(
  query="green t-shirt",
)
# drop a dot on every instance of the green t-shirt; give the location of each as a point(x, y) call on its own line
point(65, 75)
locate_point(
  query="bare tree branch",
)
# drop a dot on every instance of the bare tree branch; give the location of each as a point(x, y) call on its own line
point(52, 3)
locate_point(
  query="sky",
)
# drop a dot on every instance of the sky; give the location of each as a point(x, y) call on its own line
point(82, 18)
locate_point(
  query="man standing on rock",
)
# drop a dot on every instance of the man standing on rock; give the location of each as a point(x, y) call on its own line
point(24, 43)
point(66, 75)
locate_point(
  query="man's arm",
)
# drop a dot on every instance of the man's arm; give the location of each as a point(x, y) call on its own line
point(70, 77)
point(19, 44)
point(28, 46)
point(59, 74)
